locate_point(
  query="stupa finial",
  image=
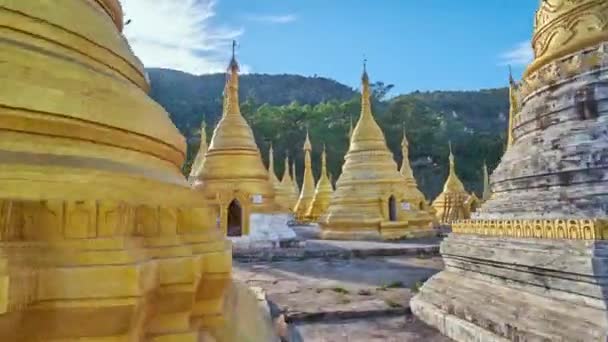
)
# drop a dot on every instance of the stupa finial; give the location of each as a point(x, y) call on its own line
point(307, 144)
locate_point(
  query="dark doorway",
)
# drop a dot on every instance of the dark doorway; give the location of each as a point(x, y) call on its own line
point(392, 209)
point(235, 219)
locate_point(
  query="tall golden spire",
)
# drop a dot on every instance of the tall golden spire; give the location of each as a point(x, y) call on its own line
point(370, 192)
point(487, 192)
point(272, 176)
point(406, 169)
point(308, 183)
point(323, 192)
point(233, 164)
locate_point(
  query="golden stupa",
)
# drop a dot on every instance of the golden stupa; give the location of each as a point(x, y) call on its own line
point(101, 236)
point(286, 195)
point(454, 202)
point(323, 192)
point(233, 173)
point(308, 185)
point(372, 199)
point(414, 195)
point(200, 155)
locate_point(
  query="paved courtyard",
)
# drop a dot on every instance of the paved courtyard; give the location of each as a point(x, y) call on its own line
point(361, 296)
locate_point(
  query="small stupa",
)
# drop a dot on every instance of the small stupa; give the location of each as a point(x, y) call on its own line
point(453, 202)
point(272, 176)
point(286, 196)
point(414, 195)
point(308, 185)
point(487, 191)
point(200, 155)
point(323, 192)
point(233, 175)
point(532, 263)
point(294, 178)
point(372, 199)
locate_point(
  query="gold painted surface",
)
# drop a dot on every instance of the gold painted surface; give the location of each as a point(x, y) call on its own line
point(308, 185)
point(370, 187)
point(454, 202)
point(570, 229)
point(323, 192)
point(233, 168)
point(563, 27)
point(101, 237)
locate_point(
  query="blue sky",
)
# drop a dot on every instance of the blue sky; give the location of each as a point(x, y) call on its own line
point(413, 44)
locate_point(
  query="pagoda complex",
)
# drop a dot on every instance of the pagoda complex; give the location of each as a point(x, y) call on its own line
point(101, 236)
point(323, 192)
point(372, 199)
point(532, 264)
point(308, 185)
point(454, 202)
point(233, 174)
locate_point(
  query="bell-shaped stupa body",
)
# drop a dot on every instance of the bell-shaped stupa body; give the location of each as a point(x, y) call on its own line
point(536, 249)
point(286, 195)
point(233, 173)
point(197, 164)
point(371, 200)
point(102, 237)
point(323, 192)
point(308, 185)
point(450, 205)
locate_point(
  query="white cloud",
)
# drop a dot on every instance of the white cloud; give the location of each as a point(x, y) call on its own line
point(274, 19)
point(521, 54)
point(178, 34)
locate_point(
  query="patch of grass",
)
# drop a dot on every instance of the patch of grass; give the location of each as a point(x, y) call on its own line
point(340, 290)
point(393, 285)
point(392, 304)
point(416, 287)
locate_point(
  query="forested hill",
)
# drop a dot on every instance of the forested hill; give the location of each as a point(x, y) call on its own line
point(188, 97)
point(279, 108)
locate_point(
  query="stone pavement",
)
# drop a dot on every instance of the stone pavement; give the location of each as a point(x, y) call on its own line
point(349, 298)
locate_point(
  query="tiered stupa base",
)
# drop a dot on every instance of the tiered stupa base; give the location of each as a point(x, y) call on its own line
point(518, 289)
point(374, 230)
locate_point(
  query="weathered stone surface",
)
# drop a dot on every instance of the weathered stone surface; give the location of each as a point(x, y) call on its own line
point(558, 166)
point(518, 289)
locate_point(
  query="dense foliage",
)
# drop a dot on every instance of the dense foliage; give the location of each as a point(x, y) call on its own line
point(281, 108)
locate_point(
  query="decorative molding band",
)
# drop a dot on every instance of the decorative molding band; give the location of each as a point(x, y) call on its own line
point(569, 229)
